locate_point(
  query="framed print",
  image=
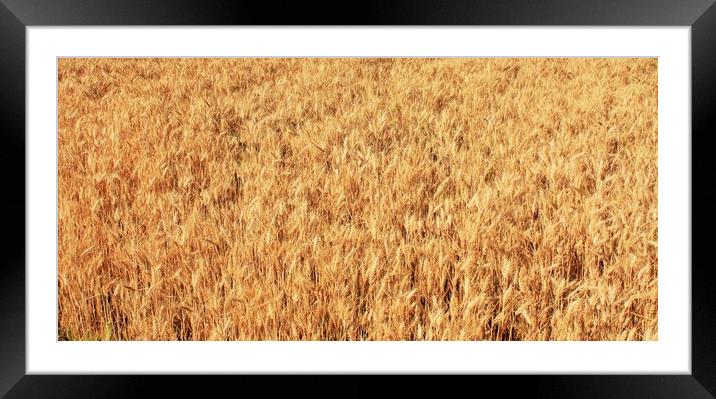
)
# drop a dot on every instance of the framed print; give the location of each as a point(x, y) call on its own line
point(503, 191)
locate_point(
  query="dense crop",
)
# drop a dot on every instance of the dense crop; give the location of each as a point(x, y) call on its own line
point(350, 199)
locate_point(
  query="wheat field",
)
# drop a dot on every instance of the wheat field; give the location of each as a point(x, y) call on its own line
point(357, 199)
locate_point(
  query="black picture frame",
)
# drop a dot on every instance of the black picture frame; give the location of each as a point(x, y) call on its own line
point(16, 15)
